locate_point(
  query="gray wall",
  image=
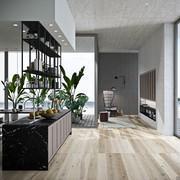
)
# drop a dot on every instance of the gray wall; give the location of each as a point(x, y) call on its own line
point(116, 64)
point(157, 53)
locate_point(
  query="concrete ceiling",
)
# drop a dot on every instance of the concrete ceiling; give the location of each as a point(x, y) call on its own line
point(122, 25)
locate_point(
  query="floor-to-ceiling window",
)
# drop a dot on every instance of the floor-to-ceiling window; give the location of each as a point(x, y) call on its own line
point(177, 78)
point(73, 61)
point(1, 79)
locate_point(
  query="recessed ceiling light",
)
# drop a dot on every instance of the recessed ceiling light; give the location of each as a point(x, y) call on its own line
point(59, 36)
point(15, 25)
point(146, 4)
point(24, 31)
point(62, 40)
point(50, 25)
point(55, 31)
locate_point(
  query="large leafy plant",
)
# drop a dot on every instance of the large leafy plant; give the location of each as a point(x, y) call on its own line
point(72, 101)
point(59, 95)
point(70, 84)
point(15, 89)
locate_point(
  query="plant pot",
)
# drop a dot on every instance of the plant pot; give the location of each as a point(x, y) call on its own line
point(75, 118)
point(81, 116)
point(14, 116)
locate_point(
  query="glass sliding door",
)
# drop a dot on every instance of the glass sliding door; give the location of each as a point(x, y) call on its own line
point(177, 78)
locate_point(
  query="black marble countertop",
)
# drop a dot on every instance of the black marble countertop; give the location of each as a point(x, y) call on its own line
point(39, 122)
point(10, 111)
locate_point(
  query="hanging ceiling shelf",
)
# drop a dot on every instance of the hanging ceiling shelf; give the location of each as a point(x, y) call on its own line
point(44, 56)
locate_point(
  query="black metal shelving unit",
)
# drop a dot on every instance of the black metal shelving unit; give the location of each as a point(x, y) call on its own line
point(44, 56)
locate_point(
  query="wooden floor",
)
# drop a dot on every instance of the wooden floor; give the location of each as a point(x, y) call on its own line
point(110, 154)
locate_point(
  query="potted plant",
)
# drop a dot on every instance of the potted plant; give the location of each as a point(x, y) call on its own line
point(58, 99)
point(73, 101)
point(15, 92)
point(81, 100)
point(37, 96)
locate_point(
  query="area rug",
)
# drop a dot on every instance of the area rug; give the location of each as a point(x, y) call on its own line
point(118, 122)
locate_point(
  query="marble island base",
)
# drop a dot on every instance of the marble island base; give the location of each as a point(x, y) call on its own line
point(31, 146)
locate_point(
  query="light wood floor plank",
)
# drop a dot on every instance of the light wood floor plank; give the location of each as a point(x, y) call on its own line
point(111, 154)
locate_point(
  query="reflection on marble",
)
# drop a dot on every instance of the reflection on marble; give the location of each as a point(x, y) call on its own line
point(25, 147)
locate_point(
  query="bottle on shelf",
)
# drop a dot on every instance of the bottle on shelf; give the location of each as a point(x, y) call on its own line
point(38, 65)
point(46, 83)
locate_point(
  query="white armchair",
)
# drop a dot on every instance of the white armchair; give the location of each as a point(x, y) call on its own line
point(108, 99)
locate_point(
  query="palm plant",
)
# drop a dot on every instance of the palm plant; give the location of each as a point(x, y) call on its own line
point(72, 101)
point(71, 84)
point(15, 89)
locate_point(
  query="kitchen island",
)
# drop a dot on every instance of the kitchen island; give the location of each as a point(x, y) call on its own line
point(30, 145)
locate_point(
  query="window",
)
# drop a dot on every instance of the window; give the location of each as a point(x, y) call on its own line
point(177, 80)
point(72, 62)
point(2, 79)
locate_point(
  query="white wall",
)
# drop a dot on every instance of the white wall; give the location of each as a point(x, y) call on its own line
point(29, 10)
point(65, 20)
point(157, 53)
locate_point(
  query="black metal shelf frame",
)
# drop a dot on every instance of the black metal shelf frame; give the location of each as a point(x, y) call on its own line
point(39, 43)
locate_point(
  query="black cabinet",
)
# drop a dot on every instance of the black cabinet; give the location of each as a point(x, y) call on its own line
point(148, 111)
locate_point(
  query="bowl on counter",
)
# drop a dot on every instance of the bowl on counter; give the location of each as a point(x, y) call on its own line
point(47, 116)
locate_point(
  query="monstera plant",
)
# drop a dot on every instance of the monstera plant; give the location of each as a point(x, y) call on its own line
point(15, 89)
point(74, 102)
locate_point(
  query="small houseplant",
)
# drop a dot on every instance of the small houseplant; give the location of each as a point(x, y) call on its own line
point(37, 96)
point(80, 100)
point(15, 91)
